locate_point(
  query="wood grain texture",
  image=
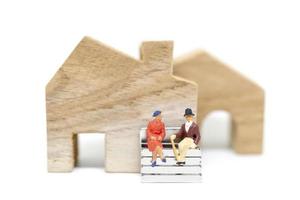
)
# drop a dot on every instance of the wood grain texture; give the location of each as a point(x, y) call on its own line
point(99, 89)
point(222, 88)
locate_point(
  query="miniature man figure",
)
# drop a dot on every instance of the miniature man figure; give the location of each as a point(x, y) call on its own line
point(155, 135)
point(189, 135)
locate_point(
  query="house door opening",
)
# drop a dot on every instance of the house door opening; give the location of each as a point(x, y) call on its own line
point(216, 130)
point(90, 151)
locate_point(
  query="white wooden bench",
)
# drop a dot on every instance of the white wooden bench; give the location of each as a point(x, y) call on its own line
point(169, 171)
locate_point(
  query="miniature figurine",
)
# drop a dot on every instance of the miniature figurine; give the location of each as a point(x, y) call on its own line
point(189, 135)
point(155, 135)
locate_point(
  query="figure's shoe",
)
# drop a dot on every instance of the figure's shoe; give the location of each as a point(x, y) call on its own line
point(164, 160)
point(153, 163)
point(180, 163)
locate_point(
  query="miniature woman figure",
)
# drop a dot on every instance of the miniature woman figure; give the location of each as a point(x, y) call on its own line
point(155, 135)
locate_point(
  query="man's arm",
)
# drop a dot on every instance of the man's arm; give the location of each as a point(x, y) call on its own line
point(180, 132)
point(198, 135)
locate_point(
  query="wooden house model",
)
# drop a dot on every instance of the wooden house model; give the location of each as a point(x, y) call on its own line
point(101, 90)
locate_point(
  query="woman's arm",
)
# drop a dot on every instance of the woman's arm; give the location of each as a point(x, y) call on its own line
point(148, 131)
point(150, 136)
point(163, 132)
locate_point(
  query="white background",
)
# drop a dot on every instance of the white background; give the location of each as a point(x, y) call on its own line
point(261, 39)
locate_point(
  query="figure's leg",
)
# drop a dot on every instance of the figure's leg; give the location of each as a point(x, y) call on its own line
point(181, 149)
point(184, 146)
point(159, 152)
point(161, 155)
point(154, 155)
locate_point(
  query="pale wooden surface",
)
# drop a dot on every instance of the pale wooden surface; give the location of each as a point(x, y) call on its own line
point(222, 88)
point(99, 89)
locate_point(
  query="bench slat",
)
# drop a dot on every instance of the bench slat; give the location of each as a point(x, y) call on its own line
point(169, 152)
point(171, 170)
point(171, 161)
point(171, 178)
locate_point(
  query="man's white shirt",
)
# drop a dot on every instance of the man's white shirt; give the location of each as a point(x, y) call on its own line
point(188, 125)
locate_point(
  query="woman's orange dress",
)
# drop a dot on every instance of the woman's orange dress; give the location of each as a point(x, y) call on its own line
point(155, 129)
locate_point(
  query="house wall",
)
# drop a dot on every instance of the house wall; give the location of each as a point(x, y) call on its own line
point(222, 88)
point(99, 89)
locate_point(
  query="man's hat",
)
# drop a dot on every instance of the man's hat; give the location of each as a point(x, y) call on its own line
point(156, 113)
point(188, 111)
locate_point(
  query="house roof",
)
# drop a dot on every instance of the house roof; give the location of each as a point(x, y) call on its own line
point(211, 75)
point(81, 67)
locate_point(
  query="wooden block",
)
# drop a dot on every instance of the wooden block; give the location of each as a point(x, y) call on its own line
point(101, 90)
point(222, 88)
